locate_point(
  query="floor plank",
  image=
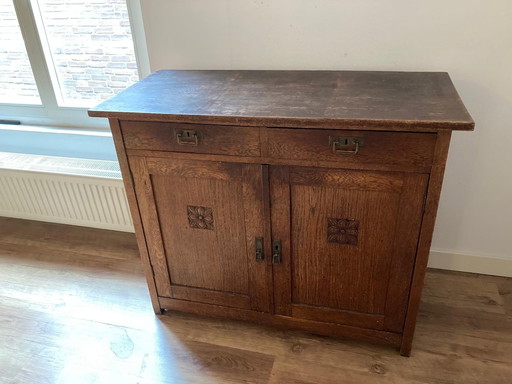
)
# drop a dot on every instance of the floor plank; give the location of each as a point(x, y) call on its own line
point(74, 308)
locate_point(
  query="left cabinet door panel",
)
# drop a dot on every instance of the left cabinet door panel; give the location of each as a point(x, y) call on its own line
point(201, 220)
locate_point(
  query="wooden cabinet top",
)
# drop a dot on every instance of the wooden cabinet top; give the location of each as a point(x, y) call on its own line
point(401, 101)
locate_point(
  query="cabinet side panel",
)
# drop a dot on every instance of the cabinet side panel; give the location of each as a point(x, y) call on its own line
point(425, 240)
point(134, 210)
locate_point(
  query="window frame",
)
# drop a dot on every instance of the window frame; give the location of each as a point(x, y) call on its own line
point(49, 113)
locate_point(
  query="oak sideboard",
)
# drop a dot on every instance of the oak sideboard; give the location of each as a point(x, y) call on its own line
point(303, 199)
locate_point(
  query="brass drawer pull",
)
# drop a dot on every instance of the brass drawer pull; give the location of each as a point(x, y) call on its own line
point(337, 143)
point(188, 137)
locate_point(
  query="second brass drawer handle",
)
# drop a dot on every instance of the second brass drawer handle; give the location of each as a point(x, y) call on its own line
point(339, 145)
point(188, 137)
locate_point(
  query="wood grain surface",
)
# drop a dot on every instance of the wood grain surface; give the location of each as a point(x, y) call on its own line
point(425, 239)
point(395, 149)
point(74, 308)
point(219, 159)
point(363, 283)
point(214, 139)
point(134, 210)
point(209, 264)
point(415, 101)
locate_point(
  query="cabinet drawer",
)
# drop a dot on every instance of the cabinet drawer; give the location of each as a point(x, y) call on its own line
point(193, 138)
point(407, 150)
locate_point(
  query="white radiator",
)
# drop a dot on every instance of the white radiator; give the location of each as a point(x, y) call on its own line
point(72, 191)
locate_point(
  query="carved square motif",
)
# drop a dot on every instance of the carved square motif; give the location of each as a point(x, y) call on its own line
point(200, 217)
point(342, 231)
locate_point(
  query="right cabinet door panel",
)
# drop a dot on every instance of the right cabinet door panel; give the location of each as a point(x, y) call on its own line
point(348, 243)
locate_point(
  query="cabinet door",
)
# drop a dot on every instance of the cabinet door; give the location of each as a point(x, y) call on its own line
point(201, 221)
point(348, 241)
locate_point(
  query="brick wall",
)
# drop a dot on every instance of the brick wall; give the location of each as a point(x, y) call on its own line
point(17, 84)
point(91, 46)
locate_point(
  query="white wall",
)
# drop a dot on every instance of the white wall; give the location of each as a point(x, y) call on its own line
point(470, 39)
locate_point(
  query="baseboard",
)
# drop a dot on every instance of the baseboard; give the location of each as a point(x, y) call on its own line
point(470, 263)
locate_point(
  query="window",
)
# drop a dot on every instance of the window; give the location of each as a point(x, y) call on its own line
point(60, 57)
point(17, 83)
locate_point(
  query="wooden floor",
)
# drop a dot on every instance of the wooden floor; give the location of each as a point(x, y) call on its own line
point(74, 308)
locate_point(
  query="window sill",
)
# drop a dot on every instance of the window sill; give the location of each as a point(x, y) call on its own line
point(54, 141)
point(55, 130)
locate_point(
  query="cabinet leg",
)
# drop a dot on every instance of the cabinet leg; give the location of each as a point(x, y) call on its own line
point(158, 311)
point(405, 348)
point(156, 305)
